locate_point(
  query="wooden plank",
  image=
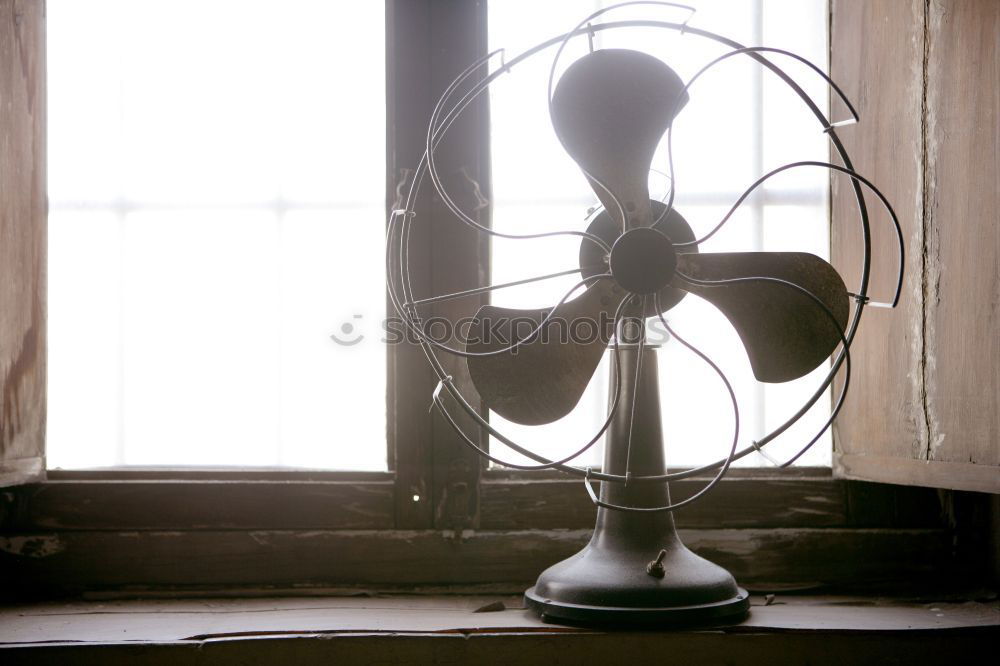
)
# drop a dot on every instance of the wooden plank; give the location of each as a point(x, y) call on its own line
point(23, 209)
point(214, 618)
point(555, 645)
point(758, 473)
point(876, 54)
point(431, 42)
point(459, 253)
point(934, 473)
point(36, 563)
point(166, 505)
point(962, 244)
point(408, 106)
point(733, 503)
point(22, 470)
point(923, 75)
point(212, 504)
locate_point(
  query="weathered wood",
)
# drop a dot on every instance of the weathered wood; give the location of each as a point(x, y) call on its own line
point(930, 473)
point(430, 42)
point(758, 473)
point(213, 504)
point(48, 562)
point(925, 389)
point(733, 503)
point(22, 470)
point(738, 502)
point(549, 647)
point(876, 50)
point(185, 505)
point(408, 105)
point(162, 620)
point(23, 208)
point(459, 254)
point(962, 238)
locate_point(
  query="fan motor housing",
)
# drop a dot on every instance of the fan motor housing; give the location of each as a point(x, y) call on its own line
point(594, 260)
point(643, 260)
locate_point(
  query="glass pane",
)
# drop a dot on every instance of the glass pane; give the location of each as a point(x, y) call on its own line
point(84, 338)
point(739, 123)
point(217, 175)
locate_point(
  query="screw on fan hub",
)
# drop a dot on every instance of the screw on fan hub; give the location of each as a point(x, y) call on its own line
point(643, 260)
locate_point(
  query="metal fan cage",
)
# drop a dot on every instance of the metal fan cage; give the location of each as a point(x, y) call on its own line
point(400, 224)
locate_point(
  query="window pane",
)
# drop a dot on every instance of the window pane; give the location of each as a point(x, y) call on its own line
point(217, 174)
point(85, 338)
point(739, 123)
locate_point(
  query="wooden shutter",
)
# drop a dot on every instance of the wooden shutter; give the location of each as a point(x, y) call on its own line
point(23, 207)
point(924, 406)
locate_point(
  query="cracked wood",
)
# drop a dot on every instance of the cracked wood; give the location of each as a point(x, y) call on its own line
point(924, 407)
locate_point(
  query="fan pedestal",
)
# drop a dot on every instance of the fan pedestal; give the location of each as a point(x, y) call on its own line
point(608, 582)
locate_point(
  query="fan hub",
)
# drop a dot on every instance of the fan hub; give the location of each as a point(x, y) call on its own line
point(643, 260)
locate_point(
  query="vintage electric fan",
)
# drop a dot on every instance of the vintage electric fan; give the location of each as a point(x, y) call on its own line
point(638, 258)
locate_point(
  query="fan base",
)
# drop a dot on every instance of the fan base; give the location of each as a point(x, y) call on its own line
point(729, 611)
point(609, 582)
point(635, 571)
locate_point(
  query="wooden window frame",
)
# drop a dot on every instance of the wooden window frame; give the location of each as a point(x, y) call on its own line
point(439, 516)
point(172, 531)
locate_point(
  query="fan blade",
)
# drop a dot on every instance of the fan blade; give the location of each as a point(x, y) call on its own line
point(786, 334)
point(610, 109)
point(541, 380)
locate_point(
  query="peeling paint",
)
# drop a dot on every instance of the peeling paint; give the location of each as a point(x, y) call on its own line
point(32, 546)
point(261, 538)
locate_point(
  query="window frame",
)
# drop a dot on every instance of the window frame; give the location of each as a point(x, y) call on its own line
point(439, 516)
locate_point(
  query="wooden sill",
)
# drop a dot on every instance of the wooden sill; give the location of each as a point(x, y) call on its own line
point(173, 499)
point(402, 629)
point(78, 534)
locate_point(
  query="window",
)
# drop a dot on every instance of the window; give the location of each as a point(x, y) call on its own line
point(217, 223)
point(216, 219)
point(437, 508)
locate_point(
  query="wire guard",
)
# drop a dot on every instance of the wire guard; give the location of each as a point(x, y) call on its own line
point(401, 221)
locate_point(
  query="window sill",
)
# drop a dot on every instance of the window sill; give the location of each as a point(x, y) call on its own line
point(119, 532)
point(402, 630)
